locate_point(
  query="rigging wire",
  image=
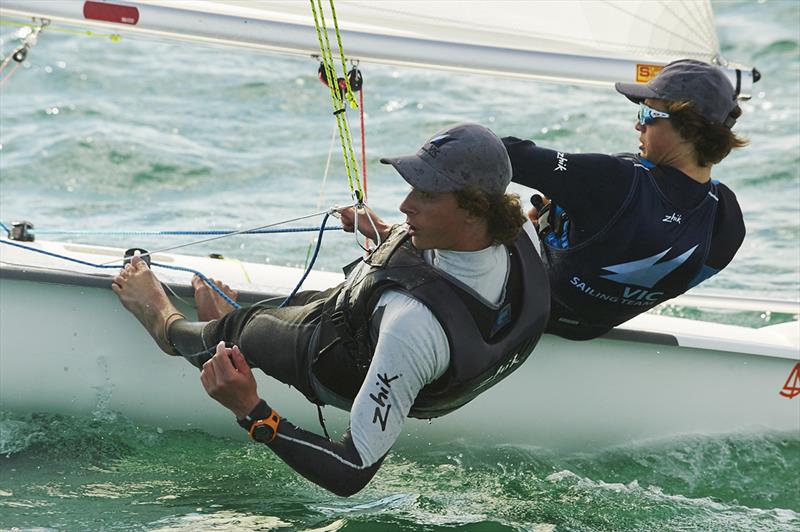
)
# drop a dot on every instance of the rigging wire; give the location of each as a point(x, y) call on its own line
point(310, 264)
point(11, 73)
point(350, 96)
point(223, 232)
point(226, 235)
point(321, 196)
point(363, 152)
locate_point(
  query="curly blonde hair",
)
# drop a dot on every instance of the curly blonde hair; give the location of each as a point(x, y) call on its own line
point(502, 212)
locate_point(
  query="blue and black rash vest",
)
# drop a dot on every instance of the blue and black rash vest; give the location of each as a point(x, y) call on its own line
point(486, 342)
point(650, 252)
point(637, 237)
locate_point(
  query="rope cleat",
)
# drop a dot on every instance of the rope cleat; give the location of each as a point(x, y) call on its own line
point(130, 253)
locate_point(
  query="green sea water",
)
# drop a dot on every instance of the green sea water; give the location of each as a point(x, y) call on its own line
point(152, 135)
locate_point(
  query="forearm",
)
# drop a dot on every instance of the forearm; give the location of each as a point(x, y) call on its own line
point(590, 187)
point(333, 465)
point(365, 221)
point(383, 230)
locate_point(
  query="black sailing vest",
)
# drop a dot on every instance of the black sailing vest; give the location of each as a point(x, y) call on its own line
point(649, 252)
point(486, 344)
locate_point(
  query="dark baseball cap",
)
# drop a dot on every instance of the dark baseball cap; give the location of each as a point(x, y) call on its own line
point(703, 84)
point(455, 158)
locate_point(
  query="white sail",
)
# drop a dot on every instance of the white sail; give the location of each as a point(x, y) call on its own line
point(577, 41)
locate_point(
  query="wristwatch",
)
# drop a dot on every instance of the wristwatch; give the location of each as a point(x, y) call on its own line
point(262, 423)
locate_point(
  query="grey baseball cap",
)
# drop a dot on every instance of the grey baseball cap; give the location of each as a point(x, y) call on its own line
point(455, 158)
point(703, 84)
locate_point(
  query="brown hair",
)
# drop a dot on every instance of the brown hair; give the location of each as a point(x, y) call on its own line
point(502, 212)
point(712, 142)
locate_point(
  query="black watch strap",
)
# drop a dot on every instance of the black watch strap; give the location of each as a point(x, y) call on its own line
point(261, 411)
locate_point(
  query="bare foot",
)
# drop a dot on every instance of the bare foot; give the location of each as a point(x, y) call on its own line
point(142, 294)
point(210, 305)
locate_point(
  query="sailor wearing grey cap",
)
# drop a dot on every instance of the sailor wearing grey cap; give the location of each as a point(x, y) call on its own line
point(445, 307)
point(463, 169)
point(459, 157)
point(624, 233)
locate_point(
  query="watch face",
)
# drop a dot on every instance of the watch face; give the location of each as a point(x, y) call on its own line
point(263, 433)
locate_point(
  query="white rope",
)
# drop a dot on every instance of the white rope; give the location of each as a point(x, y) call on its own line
point(371, 221)
point(322, 187)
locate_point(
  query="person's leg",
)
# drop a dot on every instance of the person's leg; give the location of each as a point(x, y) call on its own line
point(210, 305)
point(276, 340)
point(196, 340)
point(141, 293)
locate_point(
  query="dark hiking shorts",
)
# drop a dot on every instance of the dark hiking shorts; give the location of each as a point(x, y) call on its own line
point(279, 341)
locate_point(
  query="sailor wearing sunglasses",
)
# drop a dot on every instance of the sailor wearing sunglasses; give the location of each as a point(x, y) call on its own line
point(624, 233)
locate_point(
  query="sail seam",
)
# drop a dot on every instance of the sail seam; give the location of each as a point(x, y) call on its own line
point(659, 27)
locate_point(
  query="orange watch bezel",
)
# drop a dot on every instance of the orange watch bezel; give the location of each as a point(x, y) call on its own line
point(272, 421)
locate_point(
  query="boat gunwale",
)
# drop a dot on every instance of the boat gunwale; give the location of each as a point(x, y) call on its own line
point(625, 333)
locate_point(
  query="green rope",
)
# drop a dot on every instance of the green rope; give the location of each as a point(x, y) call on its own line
point(350, 96)
point(345, 138)
point(115, 37)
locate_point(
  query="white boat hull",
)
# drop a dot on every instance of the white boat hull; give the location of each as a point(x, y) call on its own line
point(67, 346)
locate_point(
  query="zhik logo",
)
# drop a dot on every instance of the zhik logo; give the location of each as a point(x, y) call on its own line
point(561, 162)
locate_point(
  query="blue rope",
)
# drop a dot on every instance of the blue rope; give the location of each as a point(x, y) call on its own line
point(180, 233)
point(205, 279)
point(310, 263)
point(56, 255)
point(117, 266)
point(5, 228)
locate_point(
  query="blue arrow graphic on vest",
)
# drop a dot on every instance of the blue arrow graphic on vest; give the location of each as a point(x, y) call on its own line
point(645, 272)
